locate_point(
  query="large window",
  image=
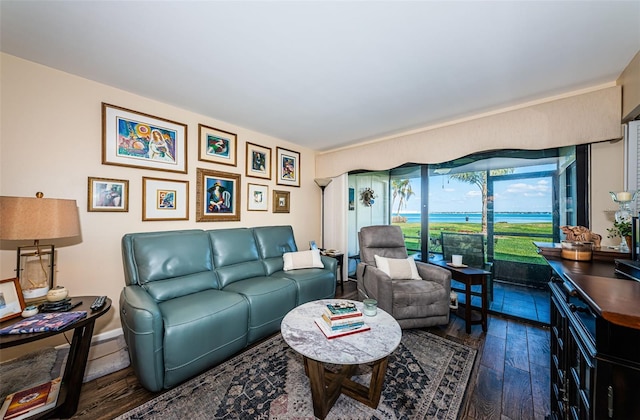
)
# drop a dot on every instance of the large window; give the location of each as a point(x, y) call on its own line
point(514, 198)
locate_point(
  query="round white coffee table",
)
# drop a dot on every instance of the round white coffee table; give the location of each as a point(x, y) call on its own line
point(374, 346)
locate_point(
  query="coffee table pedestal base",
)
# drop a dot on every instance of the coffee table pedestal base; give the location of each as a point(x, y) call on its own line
point(326, 386)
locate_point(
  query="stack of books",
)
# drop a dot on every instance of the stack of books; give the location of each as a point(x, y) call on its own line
point(340, 319)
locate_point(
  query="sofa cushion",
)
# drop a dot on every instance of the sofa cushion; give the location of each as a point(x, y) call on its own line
point(273, 241)
point(398, 268)
point(302, 259)
point(169, 264)
point(235, 255)
point(201, 330)
point(269, 301)
point(312, 283)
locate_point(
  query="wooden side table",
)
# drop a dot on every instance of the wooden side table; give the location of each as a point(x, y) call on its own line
point(470, 277)
point(76, 360)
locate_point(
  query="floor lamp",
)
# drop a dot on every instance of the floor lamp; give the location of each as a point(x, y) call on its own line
point(322, 183)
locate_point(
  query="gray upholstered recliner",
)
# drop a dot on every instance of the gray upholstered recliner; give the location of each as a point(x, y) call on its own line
point(413, 303)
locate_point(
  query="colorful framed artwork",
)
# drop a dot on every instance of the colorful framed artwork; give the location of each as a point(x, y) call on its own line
point(11, 299)
point(288, 167)
point(281, 201)
point(139, 140)
point(352, 199)
point(218, 196)
point(257, 197)
point(164, 199)
point(105, 194)
point(258, 161)
point(217, 146)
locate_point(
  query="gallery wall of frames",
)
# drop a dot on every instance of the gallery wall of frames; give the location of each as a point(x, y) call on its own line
point(152, 143)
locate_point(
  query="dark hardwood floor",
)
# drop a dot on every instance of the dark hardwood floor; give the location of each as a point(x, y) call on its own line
point(510, 379)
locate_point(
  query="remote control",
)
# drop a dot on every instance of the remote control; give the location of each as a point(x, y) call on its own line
point(98, 303)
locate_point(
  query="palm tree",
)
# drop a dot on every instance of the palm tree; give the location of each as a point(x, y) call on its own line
point(480, 180)
point(402, 188)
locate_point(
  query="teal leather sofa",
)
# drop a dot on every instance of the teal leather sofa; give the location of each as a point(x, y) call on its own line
point(193, 298)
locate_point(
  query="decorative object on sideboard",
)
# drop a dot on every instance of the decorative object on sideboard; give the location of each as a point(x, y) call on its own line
point(623, 216)
point(322, 183)
point(367, 197)
point(577, 251)
point(33, 219)
point(581, 234)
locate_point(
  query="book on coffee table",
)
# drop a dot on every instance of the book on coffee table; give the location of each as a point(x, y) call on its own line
point(329, 333)
point(30, 401)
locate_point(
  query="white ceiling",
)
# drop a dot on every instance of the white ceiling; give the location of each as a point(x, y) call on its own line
point(330, 73)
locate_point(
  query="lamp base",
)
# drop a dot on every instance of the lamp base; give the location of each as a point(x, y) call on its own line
point(35, 293)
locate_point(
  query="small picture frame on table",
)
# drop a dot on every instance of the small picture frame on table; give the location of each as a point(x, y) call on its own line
point(258, 161)
point(217, 146)
point(105, 194)
point(164, 199)
point(281, 202)
point(257, 197)
point(288, 167)
point(11, 299)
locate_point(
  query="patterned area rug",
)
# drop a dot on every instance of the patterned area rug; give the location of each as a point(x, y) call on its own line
point(426, 379)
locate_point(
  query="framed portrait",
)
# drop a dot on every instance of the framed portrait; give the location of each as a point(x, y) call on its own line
point(257, 197)
point(288, 167)
point(258, 161)
point(164, 199)
point(217, 146)
point(218, 196)
point(139, 140)
point(105, 194)
point(280, 201)
point(11, 299)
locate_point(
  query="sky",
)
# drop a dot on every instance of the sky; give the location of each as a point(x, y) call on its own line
point(450, 195)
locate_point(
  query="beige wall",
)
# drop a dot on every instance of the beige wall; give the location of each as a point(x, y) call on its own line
point(51, 142)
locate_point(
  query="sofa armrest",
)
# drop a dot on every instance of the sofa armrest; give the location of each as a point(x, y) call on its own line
point(375, 284)
point(434, 273)
point(143, 330)
point(330, 264)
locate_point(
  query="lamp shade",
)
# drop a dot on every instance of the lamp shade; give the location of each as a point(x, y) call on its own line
point(322, 182)
point(23, 218)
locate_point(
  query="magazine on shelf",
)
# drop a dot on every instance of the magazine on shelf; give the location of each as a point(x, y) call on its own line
point(31, 401)
point(329, 333)
point(344, 322)
point(43, 322)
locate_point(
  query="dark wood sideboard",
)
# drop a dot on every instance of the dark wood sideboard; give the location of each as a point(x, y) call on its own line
point(595, 340)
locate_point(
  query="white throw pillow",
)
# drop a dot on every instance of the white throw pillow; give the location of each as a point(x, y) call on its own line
point(398, 268)
point(302, 259)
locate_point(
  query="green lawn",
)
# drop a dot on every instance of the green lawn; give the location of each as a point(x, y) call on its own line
point(509, 248)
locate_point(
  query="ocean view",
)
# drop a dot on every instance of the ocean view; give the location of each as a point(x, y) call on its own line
point(506, 217)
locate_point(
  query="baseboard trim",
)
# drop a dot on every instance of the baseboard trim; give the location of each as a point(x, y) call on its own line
point(107, 335)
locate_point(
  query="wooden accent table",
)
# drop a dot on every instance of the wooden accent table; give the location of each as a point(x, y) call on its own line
point(374, 346)
point(76, 360)
point(470, 277)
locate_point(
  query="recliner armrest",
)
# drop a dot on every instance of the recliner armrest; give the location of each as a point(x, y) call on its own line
point(434, 273)
point(375, 284)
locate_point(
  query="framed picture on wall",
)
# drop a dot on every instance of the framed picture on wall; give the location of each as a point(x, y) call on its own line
point(352, 199)
point(217, 196)
point(217, 146)
point(164, 199)
point(288, 167)
point(257, 197)
point(138, 140)
point(281, 202)
point(106, 194)
point(258, 161)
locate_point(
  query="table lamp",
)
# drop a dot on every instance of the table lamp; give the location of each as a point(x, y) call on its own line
point(322, 183)
point(23, 218)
